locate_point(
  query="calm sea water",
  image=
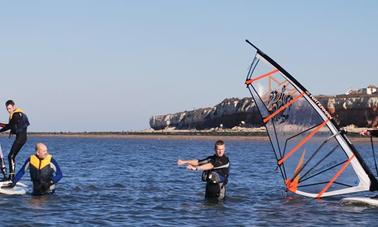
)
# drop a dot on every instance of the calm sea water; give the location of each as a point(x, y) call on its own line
point(135, 182)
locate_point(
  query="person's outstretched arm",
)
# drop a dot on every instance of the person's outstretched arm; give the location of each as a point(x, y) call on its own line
point(206, 166)
point(203, 164)
point(193, 162)
point(16, 117)
point(5, 127)
point(21, 172)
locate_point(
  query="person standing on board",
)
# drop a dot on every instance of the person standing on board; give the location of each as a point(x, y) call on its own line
point(18, 124)
point(44, 171)
point(215, 171)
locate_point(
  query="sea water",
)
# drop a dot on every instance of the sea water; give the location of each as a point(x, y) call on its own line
point(135, 182)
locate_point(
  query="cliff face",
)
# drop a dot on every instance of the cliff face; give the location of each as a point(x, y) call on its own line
point(229, 113)
point(360, 110)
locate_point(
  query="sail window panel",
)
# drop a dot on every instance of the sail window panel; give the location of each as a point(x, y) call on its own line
point(317, 163)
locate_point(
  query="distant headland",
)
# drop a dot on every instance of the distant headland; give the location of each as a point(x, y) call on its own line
point(235, 118)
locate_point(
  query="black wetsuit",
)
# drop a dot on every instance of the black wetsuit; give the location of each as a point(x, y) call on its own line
point(17, 125)
point(374, 132)
point(217, 177)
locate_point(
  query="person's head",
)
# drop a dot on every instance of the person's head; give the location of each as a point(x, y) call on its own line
point(10, 105)
point(219, 148)
point(41, 150)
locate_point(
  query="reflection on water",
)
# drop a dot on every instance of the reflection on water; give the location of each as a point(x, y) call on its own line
point(137, 182)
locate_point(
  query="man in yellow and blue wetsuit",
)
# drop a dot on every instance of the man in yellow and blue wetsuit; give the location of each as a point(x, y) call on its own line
point(44, 171)
point(18, 123)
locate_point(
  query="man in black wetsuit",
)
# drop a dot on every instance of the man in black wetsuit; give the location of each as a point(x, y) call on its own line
point(18, 123)
point(215, 171)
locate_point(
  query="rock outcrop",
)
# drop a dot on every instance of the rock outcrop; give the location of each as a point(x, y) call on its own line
point(359, 110)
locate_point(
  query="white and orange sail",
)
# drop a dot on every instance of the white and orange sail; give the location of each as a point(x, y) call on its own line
point(315, 158)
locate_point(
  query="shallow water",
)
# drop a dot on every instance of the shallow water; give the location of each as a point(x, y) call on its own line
point(137, 182)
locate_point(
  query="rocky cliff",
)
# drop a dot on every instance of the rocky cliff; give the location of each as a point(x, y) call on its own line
point(359, 110)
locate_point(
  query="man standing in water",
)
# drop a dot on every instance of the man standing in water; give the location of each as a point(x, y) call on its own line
point(215, 171)
point(18, 123)
point(44, 171)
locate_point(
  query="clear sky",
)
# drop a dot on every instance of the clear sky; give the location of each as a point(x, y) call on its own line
point(110, 65)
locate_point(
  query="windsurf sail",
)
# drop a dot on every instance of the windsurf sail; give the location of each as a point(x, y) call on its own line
point(314, 157)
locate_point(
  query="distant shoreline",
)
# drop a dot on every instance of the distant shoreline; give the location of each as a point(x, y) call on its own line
point(158, 135)
point(175, 135)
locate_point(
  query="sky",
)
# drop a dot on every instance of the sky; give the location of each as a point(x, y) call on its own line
point(90, 65)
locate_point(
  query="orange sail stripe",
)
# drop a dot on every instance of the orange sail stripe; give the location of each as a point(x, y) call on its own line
point(335, 177)
point(292, 185)
point(250, 81)
point(309, 136)
point(282, 108)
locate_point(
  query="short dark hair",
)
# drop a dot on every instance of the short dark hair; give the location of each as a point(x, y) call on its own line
point(218, 143)
point(9, 102)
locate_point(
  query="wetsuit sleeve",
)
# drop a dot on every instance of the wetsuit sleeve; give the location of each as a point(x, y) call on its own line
point(7, 127)
point(16, 117)
point(204, 161)
point(58, 172)
point(21, 172)
point(374, 132)
point(225, 163)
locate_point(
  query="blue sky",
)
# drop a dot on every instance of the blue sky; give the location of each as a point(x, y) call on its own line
point(111, 65)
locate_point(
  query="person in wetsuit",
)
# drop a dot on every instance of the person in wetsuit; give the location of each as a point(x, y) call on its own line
point(44, 171)
point(215, 171)
point(18, 123)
